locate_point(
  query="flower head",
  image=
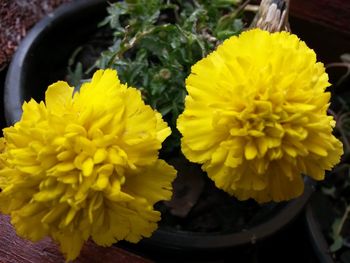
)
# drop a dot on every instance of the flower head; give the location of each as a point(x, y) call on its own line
point(85, 165)
point(256, 116)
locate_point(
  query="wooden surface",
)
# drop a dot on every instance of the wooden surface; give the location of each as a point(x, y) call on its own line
point(330, 13)
point(14, 249)
point(324, 25)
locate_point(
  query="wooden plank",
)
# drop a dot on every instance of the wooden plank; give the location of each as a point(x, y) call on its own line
point(329, 13)
point(14, 249)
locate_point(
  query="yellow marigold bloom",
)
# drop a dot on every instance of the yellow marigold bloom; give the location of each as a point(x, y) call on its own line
point(256, 116)
point(3, 176)
point(86, 165)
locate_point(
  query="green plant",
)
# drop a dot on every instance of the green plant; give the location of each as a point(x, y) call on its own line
point(337, 185)
point(155, 43)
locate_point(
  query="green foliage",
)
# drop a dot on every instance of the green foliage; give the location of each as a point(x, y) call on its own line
point(337, 185)
point(157, 41)
point(338, 240)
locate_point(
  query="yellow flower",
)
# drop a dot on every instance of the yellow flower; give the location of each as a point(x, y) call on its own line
point(256, 116)
point(86, 165)
point(3, 176)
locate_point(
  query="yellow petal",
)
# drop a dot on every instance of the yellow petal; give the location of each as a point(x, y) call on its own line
point(100, 155)
point(58, 96)
point(88, 167)
point(250, 150)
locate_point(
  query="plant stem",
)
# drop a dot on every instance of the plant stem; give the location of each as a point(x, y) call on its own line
point(342, 221)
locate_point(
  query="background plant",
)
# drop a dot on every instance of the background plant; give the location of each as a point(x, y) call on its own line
point(155, 43)
point(337, 185)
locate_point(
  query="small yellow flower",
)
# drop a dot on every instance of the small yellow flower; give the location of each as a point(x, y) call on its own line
point(256, 116)
point(85, 165)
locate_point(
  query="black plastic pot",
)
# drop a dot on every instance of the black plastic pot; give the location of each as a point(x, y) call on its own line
point(41, 59)
point(317, 238)
point(211, 246)
point(42, 56)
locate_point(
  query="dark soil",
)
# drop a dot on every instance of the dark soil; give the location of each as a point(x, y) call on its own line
point(88, 53)
point(211, 209)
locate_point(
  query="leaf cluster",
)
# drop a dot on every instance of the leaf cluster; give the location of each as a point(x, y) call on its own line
point(157, 41)
point(337, 185)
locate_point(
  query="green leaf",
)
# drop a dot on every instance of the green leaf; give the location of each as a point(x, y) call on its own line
point(336, 226)
point(329, 191)
point(74, 77)
point(337, 244)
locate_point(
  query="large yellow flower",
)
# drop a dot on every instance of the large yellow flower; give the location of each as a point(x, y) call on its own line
point(256, 116)
point(85, 165)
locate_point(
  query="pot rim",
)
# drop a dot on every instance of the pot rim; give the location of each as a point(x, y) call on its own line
point(182, 240)
point(316, 236)
point(13, 95)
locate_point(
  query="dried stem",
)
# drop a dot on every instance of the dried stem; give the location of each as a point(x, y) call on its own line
point(272, 16)
point(342, 220)
point(345, 65)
